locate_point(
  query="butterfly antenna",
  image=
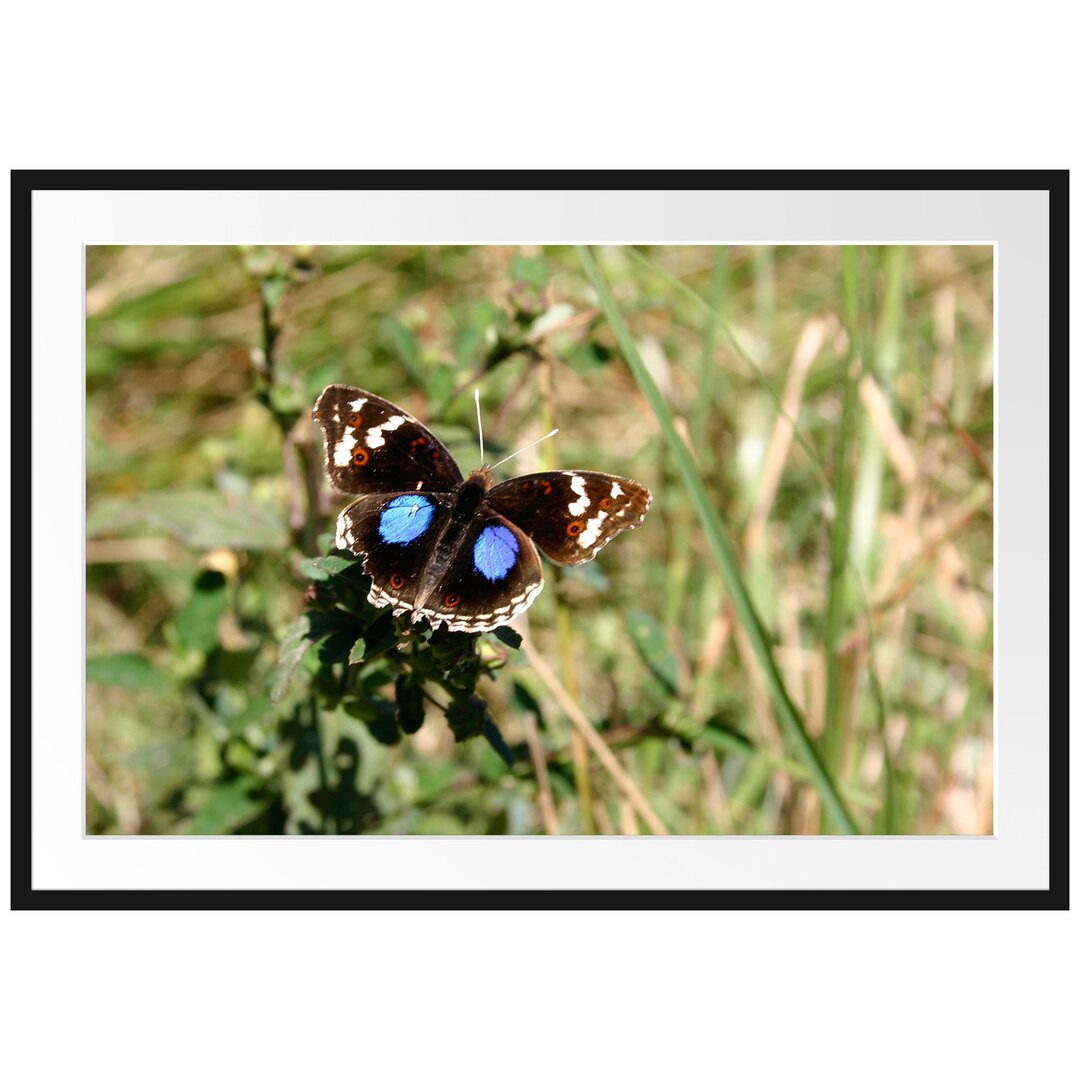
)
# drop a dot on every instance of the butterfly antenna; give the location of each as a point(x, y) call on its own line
point(479, 422)
point(553, 431)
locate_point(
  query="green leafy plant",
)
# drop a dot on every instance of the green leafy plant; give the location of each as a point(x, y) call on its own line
point(363, 651)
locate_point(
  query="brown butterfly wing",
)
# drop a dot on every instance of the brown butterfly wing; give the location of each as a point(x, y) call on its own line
point(371, 445)
point(571, 515)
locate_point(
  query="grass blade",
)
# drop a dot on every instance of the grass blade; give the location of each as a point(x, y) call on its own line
point(713, 313)
point(884, 366)
point(836, 605)
point(786, 711)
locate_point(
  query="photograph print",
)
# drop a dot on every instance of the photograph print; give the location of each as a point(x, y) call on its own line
point(540, 540)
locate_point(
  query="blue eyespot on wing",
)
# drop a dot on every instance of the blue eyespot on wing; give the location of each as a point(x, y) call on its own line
point(495, 552)
point(405, 519)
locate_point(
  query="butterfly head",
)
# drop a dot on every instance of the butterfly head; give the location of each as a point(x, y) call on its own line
point(481, 477)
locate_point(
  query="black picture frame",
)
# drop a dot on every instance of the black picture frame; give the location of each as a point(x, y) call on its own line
point(24, 183)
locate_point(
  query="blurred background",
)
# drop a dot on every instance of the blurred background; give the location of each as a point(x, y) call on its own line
point(835, 413)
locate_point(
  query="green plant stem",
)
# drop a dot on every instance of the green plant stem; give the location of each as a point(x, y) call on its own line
point(579, 752)
point(309, 467)
point(681, 556)
point(699, 427)
point(832, 739)
point(320, 756)
point(786, 711)
point(866, 505)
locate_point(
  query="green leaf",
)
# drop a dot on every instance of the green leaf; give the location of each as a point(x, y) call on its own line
point(403, 342)
point(325, 566)
point(296, 641)
point(498, 743)
point(200, 519)
point(127, 670)
point(288, 400)
point(252, 713)
point(508, 637)
point(533, 272)
point(380, 636)
point(466, 717)
point(588, 356)
point(467, 344)
point(384, 726)
point(487, 315)
point(450, 650)
point(224, 809)
point(329, 622)
point(654, 649)
point(272, 289)
point(439, 387)
point(338, 646)
point(525, 700)
point(377, 674)
point(724, 738)
point(410, 704)
point(433, 779)
point(196, 625)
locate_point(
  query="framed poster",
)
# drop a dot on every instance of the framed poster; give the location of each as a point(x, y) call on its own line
point(787, 685)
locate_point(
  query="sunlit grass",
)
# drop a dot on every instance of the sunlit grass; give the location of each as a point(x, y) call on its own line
point(799, 639)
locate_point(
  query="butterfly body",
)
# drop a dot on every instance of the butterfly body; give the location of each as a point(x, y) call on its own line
point(459, 552)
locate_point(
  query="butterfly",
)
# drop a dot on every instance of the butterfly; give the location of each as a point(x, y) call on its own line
point(458, 552)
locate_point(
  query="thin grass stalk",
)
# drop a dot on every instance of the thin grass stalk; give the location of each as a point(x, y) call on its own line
point(681, 560)
point(623, 780)
point(886, 357)
point(787, 714)
point(878, 438)
point(730, 743)
point(329, 824)
point(545, 801)
point(579, 753)
point(302, 464)
point(743, 355)
point(699, 426)
point(887, 816)
point(836, 604)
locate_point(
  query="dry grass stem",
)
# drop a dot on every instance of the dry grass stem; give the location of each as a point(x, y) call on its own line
point(714, 799)
point(939, 533)
point(544, 800)
point(806, 350)
point(135, 549)
point(896, 446)
point(604, 825)
point(595, 743)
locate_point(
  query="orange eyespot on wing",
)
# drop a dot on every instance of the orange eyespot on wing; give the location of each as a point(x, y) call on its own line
point(360, 456)
point(452, 599)
point(574, 528)
point(396, 581)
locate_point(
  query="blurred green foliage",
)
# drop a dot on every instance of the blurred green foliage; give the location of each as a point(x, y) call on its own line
point(238, 682)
